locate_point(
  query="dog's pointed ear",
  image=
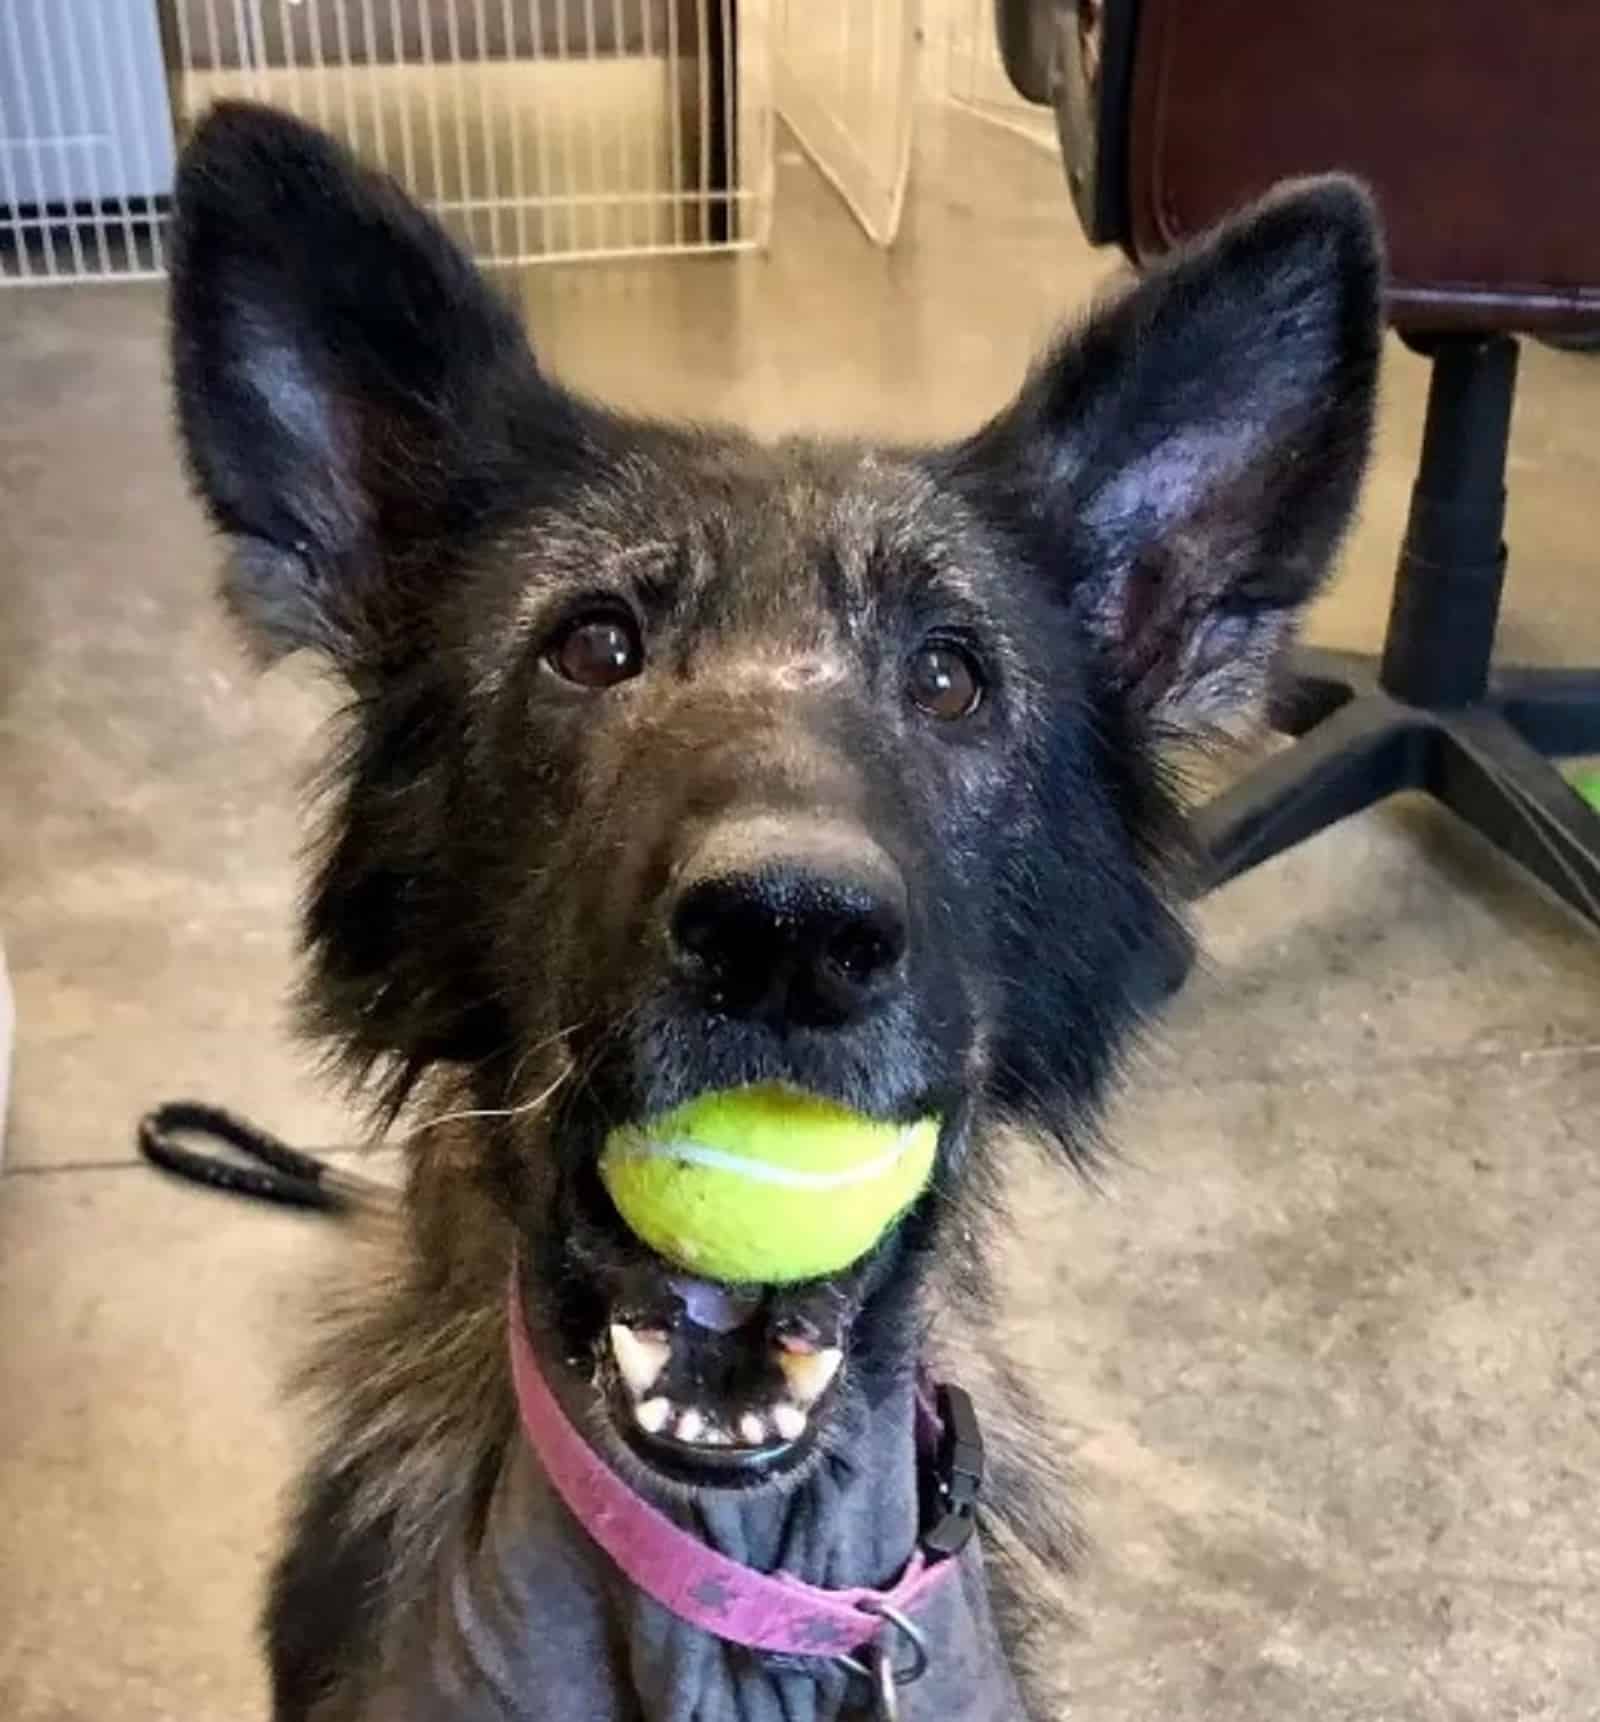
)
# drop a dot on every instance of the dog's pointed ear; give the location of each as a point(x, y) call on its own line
point(1186, 464)
point(349, 389)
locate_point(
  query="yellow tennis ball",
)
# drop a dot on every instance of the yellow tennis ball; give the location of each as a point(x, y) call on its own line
point(765, 1184)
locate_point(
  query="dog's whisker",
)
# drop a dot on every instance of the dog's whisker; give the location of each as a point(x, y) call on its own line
point(522, 1109)
point(556, 1039)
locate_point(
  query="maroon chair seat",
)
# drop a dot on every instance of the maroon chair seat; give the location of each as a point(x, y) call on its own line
point(1477, 124)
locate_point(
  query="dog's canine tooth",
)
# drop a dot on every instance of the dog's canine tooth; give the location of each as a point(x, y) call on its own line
point(652, 1415)
point(691, 1426)
point(639, 1360)
point(810, 1373)
point(753, 1429)
point(789, 1421)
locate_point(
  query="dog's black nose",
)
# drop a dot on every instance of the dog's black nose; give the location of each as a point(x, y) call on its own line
point(812, 938)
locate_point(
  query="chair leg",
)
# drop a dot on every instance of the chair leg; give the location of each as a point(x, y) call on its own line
point(1366, 750)
point(1432, 713)
point(1488, 775)
point(1317, 683)
point(1555, 711)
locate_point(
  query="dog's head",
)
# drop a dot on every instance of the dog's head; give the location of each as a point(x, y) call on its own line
point(679, 762)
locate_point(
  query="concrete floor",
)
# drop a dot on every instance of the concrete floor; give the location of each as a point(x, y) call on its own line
point(1329, 1340)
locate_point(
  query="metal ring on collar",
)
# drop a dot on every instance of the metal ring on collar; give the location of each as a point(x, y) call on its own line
point(880, 1670)
point(914, 1637)
point(879, 1673)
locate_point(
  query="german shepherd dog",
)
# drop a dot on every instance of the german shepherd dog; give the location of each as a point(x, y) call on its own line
point(676, 762)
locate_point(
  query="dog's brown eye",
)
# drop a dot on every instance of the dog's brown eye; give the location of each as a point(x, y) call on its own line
point(944, 681)
point(598, 651)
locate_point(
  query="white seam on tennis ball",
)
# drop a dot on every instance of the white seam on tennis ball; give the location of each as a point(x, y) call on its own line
point(761, 1172)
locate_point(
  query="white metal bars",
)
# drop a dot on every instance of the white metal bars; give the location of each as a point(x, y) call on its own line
point(845, 82)
point(536, 129)
point(85, 140)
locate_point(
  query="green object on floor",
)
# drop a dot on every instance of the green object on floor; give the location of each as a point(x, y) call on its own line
point(1587, 784)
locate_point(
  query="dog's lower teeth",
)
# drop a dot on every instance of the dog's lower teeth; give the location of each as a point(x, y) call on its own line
point(652, 1415)
point(640, 1358)
point(789, 1421)
point(810, 1373)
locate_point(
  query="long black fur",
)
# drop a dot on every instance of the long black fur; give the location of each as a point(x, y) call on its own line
point(1123, 551)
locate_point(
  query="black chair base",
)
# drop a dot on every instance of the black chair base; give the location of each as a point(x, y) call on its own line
point(1485, 762)
point(1431, 714)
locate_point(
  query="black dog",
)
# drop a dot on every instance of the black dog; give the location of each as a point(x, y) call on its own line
point(678, 762)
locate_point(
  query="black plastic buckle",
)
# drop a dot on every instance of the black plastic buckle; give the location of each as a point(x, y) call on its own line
point(950, 1495)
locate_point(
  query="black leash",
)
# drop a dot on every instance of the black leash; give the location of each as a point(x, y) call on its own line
point(288, 1176)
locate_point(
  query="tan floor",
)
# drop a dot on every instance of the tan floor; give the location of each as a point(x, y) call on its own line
point(1329, 1340)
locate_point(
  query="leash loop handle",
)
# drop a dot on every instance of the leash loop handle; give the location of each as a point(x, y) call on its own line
point(281, 1174)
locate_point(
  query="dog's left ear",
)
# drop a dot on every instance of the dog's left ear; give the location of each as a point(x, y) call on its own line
point(1185, 466)
point(354, 400)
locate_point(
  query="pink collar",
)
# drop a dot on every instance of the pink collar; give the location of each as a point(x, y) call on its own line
point(762, 1611)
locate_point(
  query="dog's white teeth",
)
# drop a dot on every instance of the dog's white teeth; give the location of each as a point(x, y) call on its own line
point(652, 1415)
point(657, 1416)
point(789, 1421)
point(810, 1373)
point(640, 1359)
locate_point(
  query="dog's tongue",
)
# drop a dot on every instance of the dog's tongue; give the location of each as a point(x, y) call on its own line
point(718, 1308)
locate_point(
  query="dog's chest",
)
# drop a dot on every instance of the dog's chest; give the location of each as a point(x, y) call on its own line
point(533, 1625)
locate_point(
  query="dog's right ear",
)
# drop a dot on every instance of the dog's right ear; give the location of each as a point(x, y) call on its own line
point(354, 400)
point(1182, 469)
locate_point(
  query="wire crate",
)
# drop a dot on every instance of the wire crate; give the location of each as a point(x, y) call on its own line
point(85, 140)
point(537, 130)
